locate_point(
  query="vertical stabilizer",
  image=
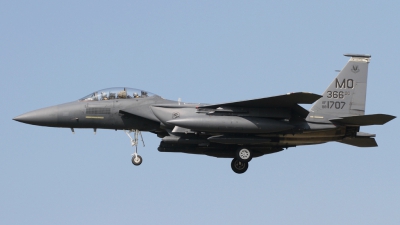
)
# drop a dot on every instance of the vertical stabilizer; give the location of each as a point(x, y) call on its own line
point(346, 95)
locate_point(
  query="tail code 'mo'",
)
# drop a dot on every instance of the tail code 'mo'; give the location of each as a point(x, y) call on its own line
point(346, 95)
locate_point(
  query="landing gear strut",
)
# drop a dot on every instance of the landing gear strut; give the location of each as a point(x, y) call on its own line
point(136, 159)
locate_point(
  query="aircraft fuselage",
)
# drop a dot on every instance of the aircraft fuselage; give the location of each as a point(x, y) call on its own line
point(239, 130)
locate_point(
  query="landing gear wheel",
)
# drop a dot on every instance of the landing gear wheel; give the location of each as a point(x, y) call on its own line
point(137, 160)
point(239, 166)
point(244, 154)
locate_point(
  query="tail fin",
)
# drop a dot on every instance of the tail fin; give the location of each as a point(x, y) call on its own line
point(346, 95)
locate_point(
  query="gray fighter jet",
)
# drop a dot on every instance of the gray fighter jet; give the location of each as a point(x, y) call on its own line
point(238, 130)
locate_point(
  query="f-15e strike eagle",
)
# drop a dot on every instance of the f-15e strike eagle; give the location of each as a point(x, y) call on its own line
point(238, 130)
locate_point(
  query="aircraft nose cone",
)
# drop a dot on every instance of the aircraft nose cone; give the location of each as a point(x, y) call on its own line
point(40, 117)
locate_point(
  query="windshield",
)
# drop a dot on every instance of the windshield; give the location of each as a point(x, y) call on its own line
point(116, 93)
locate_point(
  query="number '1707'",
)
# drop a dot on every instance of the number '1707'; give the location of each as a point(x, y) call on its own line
point(335, 104)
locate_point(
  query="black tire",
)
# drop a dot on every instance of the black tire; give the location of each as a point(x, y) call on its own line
point(239, 166)
point(244, 154)
point(137, 161)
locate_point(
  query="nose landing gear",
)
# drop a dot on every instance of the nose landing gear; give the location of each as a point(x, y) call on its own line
point(136, 159)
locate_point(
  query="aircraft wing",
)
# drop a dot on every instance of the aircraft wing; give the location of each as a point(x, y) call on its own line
point(290, 100)
point(287, 100)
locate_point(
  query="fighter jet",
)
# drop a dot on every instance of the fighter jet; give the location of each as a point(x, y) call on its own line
point(239, 130)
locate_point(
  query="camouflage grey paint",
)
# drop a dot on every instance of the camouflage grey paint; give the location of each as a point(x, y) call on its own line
point(263, 126)
point(112, 114)
point(346, 95)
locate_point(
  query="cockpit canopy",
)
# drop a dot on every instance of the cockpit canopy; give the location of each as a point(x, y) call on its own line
point(116, 93)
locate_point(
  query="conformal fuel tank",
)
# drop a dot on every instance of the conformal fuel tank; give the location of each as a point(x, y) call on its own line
point(231, 124)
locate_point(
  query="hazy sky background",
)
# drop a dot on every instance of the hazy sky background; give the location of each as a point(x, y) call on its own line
point(53, 52)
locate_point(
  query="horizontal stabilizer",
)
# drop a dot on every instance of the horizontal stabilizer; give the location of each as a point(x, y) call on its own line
point(360, 142)
point(362, 134)
point(364, 120)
